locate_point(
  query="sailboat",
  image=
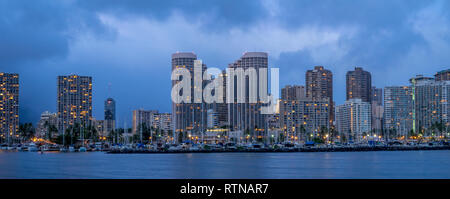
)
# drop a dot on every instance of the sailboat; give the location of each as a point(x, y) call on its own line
point(82, 148)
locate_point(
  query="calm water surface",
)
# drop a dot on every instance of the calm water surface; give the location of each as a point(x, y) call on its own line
point(336, 165)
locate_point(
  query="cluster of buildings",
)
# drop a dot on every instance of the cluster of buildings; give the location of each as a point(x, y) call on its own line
point(305, 111)
point(308, 111)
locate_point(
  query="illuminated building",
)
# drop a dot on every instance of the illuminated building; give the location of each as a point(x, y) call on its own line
point(110, 115)
point(304, 117)
point(319, 85)
point(247, 116)
point(9, 106)
point(359, 85)
point(353, 119)
point(398, 108)
point(430, 101)
point(188, 117)
point(47, 122)
point(74, 101)
point(152, 118)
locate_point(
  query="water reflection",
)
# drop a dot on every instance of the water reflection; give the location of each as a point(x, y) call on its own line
point(395, 164)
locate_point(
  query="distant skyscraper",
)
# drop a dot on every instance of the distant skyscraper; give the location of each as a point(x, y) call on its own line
point(359, 85)
point(151, 118)
point(47, 121)
point(430, 103)
point(377, 109)
point(443, 75)
point(293, 92)
point(247, 116)
point(9, 106)
point(143, 117)
point(74, 101)
point(398, 108)
point(353, 118)
point(188, 117)
point(377, 96)
point(110, 115)
point(319, 85)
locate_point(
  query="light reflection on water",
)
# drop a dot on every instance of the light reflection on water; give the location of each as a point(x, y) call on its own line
point(337, 165)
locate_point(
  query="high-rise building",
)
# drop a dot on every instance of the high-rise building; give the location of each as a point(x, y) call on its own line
point(293, 92)
point(164, 121)
point(151, 118)
point(110, 115)
point(353, 119)
point(247, 117)
point(443, 75)
point(377, 109)
point(430, 100)
point(377, 96)
point(304, 116)
point(9, 106)
point(143, 117)
point(47, 123)
point(319, 85)
point(188, 117)
point(212, 119)
point(221, 109)
point(398, 109)
point(74, 101)
point(359, 85)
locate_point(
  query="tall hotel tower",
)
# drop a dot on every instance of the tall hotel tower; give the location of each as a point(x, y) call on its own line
point(110, 114)
point(9, 106)
point(74, 101)
point(359, 85)
point(247, 116)
point(187, 117)
point(319, 86)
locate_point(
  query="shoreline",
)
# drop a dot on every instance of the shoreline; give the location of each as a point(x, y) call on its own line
point(318, 149)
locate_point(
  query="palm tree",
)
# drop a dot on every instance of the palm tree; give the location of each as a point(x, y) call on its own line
point(26, 131)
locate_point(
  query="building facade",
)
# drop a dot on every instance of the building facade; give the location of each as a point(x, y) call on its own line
point(398, 109)
point(74, 101)
point(319, 85)
point(151, 119)
point(443, 75)
point(247, 116)
point(110, 115)
point(303, 119)
point(188, 117)
point(47, 123)
point(430, 101)
point(9, 106)
point(293, 92)
point(359, 85)
point(353, 119)
point(377, 96)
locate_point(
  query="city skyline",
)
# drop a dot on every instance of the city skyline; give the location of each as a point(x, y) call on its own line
point(393, 47)
point(437, 75)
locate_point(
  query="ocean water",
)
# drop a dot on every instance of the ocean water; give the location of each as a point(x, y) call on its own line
point(314, 165)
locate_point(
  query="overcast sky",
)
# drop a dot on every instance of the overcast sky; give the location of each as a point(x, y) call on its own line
point(128, 44)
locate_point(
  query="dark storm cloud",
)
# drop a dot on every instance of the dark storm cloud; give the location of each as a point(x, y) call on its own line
point(219, 13)
point(37, 30)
